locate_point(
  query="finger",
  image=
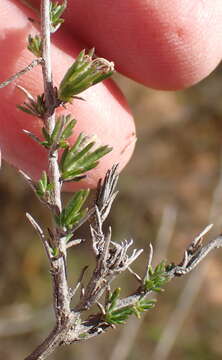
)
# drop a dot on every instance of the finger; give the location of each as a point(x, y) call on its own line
point(162, 44)
point(104, 113)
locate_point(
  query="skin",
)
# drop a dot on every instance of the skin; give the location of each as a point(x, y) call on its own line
point(162, 44)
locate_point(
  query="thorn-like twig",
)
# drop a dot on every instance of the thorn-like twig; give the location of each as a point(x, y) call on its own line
point(34, 63)
point(197, 242)
point(149, 262)
point(73, 291)
point(195, 252)
point(194, 259)
point(138, 278)
point(101, 307)
point(41, 235)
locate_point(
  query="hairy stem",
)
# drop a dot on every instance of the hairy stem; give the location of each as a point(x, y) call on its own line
point(61, 295)
point(61, 291)
point(49, 102)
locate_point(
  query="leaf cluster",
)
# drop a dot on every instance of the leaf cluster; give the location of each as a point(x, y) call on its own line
point(73, 212)
point(35, 45)
point(120, 316)
point(84, 72)
point(43, 186)
point(56, 10)
point(62, 131)
point(156, 278)
point(34, 107)
point(80, 157)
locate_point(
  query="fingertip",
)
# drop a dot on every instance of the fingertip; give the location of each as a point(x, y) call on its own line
point(162, 44)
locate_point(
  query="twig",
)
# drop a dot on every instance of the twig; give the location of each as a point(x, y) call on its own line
point(54, 173)
point(183, 268)
point(73, 291)
point(91, 327)
point(41, 235)
point(34, 63)
point(112, 259)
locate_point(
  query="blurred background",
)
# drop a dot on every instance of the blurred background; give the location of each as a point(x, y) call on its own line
point(169, 192)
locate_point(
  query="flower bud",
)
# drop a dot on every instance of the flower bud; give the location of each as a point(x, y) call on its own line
point(84, 72)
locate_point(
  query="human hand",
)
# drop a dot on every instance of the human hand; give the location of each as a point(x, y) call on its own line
point(165, 45)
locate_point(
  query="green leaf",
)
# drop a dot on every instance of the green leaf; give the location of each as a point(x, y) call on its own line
point(156, 278)
point(76, 174)
point(57, 129)
point(26, 109)
point(42, 184)
point(70, 152)
point(73, 160)
point(44, 179)
point(73, 213)
point(96, 155)
point(35, 45)
point(34, 107)
point(62, 130)
point(46, 136)
point(73, 69)
point(113, 299)
point(147, 304)
point(81, 139)
point(75, 163)
point(56, 11)
point(75, 218)
point(67, 132)
point(55, 252)
point(68, 237)
point(79, 158)
point(143, 305)
point(119, 316)
point(76, 203)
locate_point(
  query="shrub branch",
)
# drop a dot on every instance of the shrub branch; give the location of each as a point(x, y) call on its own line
point(111, 258)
